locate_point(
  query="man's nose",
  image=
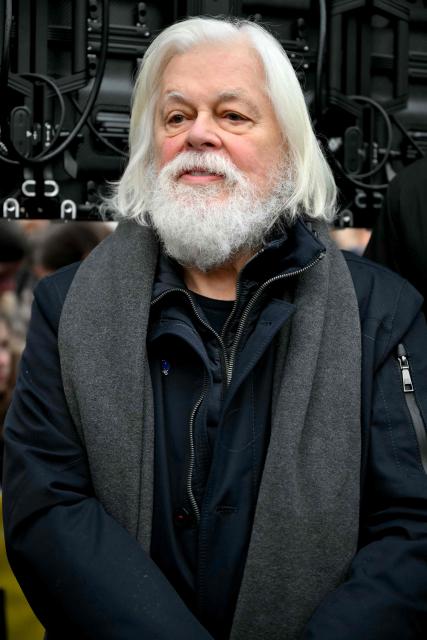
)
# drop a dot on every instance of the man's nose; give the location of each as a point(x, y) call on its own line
point(203, 133)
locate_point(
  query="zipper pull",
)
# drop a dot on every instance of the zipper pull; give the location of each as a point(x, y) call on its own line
point(408, 387)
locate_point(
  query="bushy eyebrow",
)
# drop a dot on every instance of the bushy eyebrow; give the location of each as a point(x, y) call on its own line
point(173, 95)
point(224, 96)
point(240, 94)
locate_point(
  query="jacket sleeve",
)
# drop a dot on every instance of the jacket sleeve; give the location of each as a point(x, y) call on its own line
point(83, 574)
point(385, 595)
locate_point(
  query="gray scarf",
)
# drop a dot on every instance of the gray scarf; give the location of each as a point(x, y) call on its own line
point(306, 523)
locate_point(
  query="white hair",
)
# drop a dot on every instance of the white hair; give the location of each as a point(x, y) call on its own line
point(314, 192)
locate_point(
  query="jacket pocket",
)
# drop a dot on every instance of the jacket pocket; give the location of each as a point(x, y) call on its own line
point(411, 403)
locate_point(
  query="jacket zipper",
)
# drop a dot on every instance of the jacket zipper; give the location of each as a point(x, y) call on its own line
point(411, 403)
point(193, 306)
point(228, 362)
point(189, 480)
point(227, 322)
point(189, 484)
point(240, 327)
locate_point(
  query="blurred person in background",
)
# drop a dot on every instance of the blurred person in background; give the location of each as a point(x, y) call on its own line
point(32, 249)
point(352, 239)
point(399, 236)
point(28, 252)
point(14, 250)
point(61, 244)
point(7, 375)
point(17, 620)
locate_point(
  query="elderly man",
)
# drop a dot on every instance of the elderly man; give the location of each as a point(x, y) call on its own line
point(218, 430)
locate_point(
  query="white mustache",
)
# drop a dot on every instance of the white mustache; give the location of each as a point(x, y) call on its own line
point(208, 161)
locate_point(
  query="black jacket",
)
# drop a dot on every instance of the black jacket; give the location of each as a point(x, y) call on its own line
point(57, 532)
point(212, 437)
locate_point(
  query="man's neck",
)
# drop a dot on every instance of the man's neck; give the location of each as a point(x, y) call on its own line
point(219, 283)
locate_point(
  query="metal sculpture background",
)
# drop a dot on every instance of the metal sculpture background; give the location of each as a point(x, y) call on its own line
point(66, 80)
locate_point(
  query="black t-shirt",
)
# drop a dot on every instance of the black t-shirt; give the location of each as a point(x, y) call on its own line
point(216, 311)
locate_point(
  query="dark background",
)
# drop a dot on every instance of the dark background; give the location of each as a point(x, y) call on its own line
point(67, 69)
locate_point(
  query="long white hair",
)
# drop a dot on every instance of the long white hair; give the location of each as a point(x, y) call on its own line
point(314, 190)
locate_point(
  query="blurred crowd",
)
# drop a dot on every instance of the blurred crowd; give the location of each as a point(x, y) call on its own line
point(29, 250)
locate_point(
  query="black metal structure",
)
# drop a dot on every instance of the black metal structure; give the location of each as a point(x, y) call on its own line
point(67, 68)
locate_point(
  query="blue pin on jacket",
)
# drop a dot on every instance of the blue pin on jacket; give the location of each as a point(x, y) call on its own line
point(166, 367)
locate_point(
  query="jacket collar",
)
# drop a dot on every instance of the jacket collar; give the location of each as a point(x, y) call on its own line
point(288, 250)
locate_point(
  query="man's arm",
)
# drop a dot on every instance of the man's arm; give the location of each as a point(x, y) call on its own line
point(83, 574)
point(385, 596)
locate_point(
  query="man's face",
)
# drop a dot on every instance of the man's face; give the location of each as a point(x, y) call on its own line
point(219, 180)
point(212, 100)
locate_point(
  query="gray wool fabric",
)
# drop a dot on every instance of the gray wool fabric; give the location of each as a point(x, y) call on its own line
point(306, 522)
point(106, 375)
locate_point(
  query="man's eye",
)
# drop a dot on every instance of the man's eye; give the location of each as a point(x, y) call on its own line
point(234, 117)
point(176, 118)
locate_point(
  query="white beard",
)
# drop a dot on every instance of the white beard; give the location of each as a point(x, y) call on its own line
point(206, 226)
